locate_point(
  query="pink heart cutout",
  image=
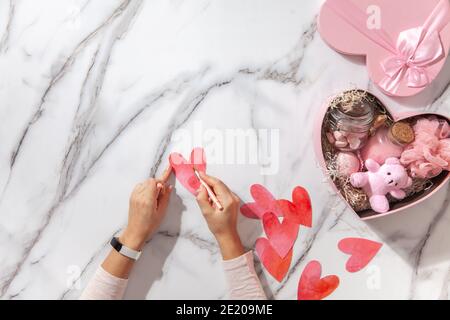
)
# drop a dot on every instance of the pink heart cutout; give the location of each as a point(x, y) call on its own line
point(274, 264)
point(312, 287)
point(300, 209)
point(184, 169)
point(361, 252)
point(281, 236)
point(264, 202)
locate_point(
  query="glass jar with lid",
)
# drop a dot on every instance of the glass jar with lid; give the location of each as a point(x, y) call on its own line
point(349, 125)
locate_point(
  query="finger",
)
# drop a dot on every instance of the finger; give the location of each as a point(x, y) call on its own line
point(161, 182)
point(160, 188)
point(166, 175)
point(218, 186)
point(151, 189)
point(151, 183)
point(210, 180)
point(220, 189)
point(163, 199)
point(203, 200)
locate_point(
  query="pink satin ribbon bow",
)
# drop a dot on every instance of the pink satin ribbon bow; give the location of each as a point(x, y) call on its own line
point(411, 60)
point(415, 51)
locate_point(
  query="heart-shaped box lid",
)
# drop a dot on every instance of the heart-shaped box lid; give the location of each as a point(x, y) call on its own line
point(405, 42)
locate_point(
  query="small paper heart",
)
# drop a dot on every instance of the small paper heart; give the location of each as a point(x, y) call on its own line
point(264, 202)
point(361, 252)
point(274, 264)
point(184, 169)
point(312, 287)
point(281, 236)
point(299, 210)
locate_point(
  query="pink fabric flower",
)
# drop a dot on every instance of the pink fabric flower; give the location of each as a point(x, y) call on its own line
point(429, 154)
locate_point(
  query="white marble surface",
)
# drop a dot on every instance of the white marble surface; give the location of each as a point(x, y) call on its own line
point(91, 93)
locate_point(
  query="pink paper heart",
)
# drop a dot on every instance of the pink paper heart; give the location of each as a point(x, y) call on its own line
point(299, 210)
point(281, 236)
point(361, 252)
point(274, 264)
point(312, 287)
point(184, 169)
point(264, 202)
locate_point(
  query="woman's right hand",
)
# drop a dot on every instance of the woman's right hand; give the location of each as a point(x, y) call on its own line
point(222, 223)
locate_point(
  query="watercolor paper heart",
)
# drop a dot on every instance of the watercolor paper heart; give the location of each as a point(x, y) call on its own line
point(282, 235)
point(405, 42)
point(264, 202)
point(184, 169)
point(299, 210)
point(312, 287)
point(361, 252)
point(322, 148)
point(274, 264)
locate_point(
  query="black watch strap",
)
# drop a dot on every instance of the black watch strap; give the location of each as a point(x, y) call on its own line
point(123, 250)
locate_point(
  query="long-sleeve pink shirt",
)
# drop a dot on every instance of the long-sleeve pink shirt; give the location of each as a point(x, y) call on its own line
point(242, 280)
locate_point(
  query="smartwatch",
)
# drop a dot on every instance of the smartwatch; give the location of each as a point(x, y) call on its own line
point(123, 250)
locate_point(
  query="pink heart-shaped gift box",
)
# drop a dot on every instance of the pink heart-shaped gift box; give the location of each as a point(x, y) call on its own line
point(404, 53)
point(438, 182)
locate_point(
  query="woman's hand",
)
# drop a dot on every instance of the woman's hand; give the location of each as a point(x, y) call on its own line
point(222, 223)
point(148, 204)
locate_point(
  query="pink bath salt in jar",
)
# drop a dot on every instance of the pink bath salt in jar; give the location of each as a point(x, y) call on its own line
point(349, 125)
point(388, 142)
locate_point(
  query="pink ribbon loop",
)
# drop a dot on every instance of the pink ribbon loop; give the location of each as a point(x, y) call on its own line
point(415, 54)
point(415, 50)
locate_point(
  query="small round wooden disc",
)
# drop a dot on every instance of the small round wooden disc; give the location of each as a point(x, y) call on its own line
point(402, 132)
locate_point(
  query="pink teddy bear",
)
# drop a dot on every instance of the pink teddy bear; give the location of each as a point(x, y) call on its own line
point(378, 181)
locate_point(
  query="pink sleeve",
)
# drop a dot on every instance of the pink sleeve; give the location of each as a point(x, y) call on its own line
point(104, 286)
point(240, 272)
point(243, 282)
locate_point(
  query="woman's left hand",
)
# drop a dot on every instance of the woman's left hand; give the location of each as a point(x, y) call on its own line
point(148, 204)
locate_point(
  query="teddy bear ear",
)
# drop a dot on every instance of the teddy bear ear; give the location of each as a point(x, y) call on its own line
point(392, 161)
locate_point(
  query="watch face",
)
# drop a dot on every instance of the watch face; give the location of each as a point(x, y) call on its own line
point(116, 244)
point(123, 250)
